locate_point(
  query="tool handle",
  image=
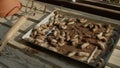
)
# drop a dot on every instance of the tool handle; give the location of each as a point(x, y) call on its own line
point(12, 31)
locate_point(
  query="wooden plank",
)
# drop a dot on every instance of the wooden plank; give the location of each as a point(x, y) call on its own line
point(118, 45)
point(114, 59)
point(107, 67)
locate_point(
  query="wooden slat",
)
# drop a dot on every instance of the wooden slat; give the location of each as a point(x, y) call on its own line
point(118, 45)
point(107, 67)
point(115, 58)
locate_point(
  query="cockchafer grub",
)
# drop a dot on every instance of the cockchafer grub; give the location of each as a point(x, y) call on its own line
point(109, 29)
point(101, 37)
point(72, 19)
point(108, 34)
point(101, 45)
point(74, 41)
point(63, 33)
point(70, 23)
point(61, 37)
point(84, 45)
point(39, 40)
point(76, 36)
point(61, 43)
point(41, 37)
point(95, 28)
point(44, 26)
point(83, 54)
point(83, 20)
point(67, 37)
point(53, 49)
point(71, 53)
point(64, 18)
point(55, 33)
point(45, 31)
point(86, 25)
point(53, 40)
point(64, 27)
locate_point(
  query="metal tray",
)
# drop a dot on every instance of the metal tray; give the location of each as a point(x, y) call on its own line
point(105, 56)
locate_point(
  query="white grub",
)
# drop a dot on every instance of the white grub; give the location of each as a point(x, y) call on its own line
point(67, 37)
point(64, 27)
point(95, 28)
point(40, 37)
point(53, 40)
point(102, 45)
point(70, 23)
point(76, 36)
point(61, 43)
point(53, 49)
point(45, 30)
point(61, 37)
point(55, 33)
point(44, 44)
point(100, 35)
point(86, 25)
point(63, 34)
point(74, 41)
point(83, 54)
point(63, 19)
point(108, 34)
point(83, 20)
point(92, 55)
point(85, 45)
point(57, 15)
point(43, 26)
point(83, 58)
point(39, 40)
point(109, 28)
point(71, 54)
point(72, 19)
